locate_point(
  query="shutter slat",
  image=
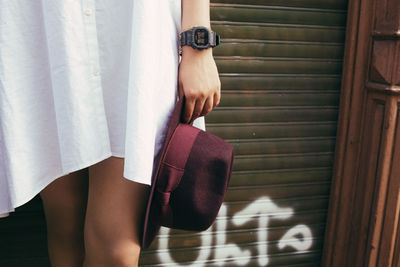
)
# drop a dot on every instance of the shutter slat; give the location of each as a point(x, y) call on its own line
point(284, 259)
point(280, 176)
point(268, 114)
point(278, 161)
point(308, 217)
point(247, 98)
point(264, 31)
point(295, 49)
point(297, 190)
point(281, 65)
point(272, 130)
point(282, 145)
point(265, 81)
point(327, 4)
point(192, 242)
point(277, 14)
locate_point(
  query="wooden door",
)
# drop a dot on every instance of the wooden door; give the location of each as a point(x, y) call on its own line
point(363, 222)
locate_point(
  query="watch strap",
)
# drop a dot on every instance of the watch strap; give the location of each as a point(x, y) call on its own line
point(186, 37)
point(213, 39)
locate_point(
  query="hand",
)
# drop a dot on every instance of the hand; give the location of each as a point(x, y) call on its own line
point(199, 82)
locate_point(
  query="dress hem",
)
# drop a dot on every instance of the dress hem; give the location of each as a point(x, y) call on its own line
point(28, 197)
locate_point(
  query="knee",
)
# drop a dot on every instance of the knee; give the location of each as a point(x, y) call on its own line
point(123, 254)
point(108, 248)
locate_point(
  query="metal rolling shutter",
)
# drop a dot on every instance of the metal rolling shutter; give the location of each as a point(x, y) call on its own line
point(280, 66)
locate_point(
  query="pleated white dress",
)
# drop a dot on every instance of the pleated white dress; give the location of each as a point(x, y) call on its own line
point(81, 81)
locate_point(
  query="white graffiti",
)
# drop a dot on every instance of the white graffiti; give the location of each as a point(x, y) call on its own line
point(225, 251)
point(165, 257)
point(289, 238)
point(263, 210)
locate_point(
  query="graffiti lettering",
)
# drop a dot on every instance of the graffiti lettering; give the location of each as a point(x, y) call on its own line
point(165, 257)
point(262, 209)
point(225, 251)
point(289, 238)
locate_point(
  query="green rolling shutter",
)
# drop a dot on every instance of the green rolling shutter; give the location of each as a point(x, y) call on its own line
point(280, 66)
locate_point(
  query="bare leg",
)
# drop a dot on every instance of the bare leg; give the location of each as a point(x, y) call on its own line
point(114, 216)
point(64, 202)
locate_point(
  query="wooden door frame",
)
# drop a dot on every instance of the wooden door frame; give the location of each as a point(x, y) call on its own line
point(363, 214)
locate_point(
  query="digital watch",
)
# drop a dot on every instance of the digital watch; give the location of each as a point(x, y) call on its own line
point(199, 37)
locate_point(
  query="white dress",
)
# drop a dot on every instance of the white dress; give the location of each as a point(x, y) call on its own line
point(81, 81)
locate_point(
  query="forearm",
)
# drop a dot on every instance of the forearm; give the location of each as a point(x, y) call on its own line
point(195, 13)
point(198, 74)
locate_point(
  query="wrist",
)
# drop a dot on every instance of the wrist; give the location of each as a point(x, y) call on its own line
point(190, 26)
point(188, 51)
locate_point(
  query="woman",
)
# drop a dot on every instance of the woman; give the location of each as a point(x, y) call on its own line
point(86, 89)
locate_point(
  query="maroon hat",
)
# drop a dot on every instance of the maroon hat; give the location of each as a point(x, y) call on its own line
point(190, 179)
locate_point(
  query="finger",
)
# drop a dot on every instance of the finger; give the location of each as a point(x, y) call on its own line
point(189, 106)
point(217, 98)
point(197, 109)
point(180, 90)
point(208, 106)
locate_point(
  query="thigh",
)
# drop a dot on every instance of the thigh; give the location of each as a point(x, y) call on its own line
point(116, 205)
point(64, 201)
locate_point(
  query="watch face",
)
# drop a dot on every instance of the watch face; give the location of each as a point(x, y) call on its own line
point(201, 37)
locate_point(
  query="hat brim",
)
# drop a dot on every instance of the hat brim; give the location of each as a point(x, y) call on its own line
point(150, 228)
